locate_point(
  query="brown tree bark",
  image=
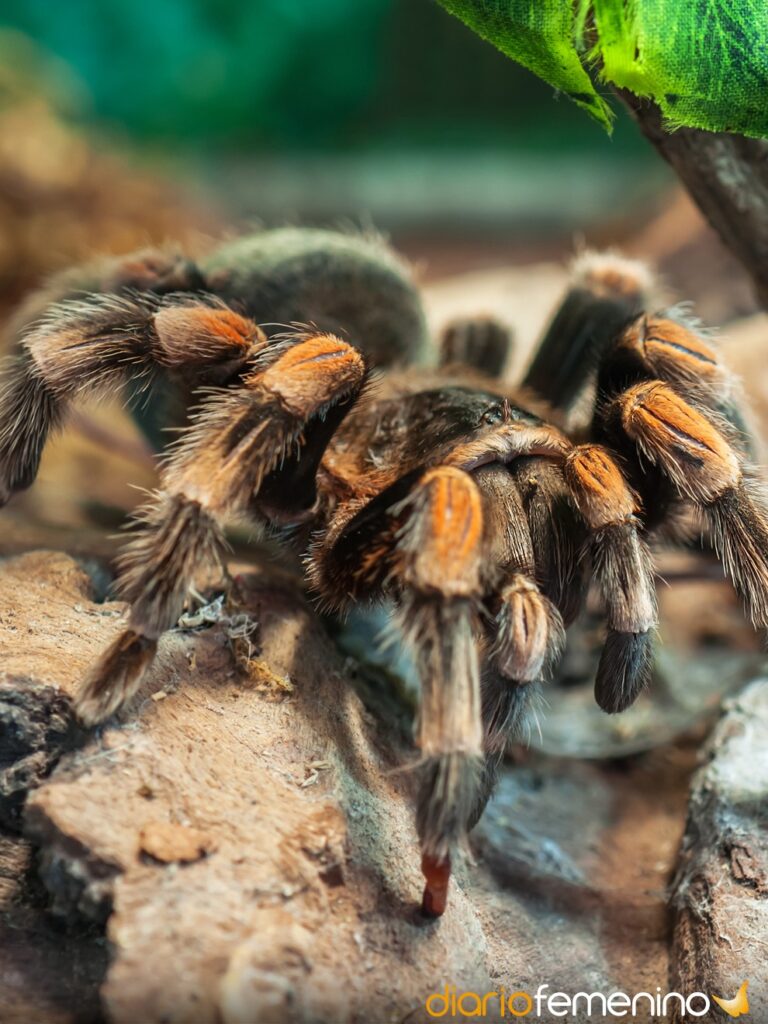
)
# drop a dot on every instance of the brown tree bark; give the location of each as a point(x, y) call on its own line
point(720, 892)
point(726, 175)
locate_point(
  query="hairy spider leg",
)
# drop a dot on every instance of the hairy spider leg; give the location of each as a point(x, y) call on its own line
point(421, 540)
point(706, 470)
point(236, 438)
point(479, 342)
point(622, 566)
point(664, 398)
point(557, 533)
point(101, 342)
point(158, 270)
point(437, 568)
point(525, 634)
point(605, 293)
point(527, 630)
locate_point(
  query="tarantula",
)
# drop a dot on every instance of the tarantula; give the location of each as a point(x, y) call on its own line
point(469, 505)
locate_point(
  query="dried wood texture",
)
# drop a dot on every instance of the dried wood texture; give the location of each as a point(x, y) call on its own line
point(44, 974)
point(720, 893)
point(252, 848)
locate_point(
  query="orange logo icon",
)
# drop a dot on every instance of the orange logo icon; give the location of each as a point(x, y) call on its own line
point(738, 1005)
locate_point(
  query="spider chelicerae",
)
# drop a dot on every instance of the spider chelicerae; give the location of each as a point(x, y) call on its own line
point(482, 512)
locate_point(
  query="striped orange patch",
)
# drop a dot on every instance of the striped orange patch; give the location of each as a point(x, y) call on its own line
point(314, 372)
point(455, 516)
point(600, 491)
point(448, 520)
point(673, 351)
point(670, 342)
point(196, 334)
point(227, 325)
point(680, 438)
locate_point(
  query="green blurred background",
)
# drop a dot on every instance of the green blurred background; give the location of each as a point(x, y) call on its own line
point(124, 122)
point(295, 74)
point(128, 123)
point(316, 109)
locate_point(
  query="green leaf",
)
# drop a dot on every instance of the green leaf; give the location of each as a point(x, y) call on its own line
point(539, 34)
point(704, 62)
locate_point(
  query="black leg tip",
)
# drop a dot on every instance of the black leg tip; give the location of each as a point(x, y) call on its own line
point(624, 670)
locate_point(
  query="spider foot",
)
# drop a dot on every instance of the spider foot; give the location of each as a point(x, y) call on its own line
point(437, 875)
point(115, 678)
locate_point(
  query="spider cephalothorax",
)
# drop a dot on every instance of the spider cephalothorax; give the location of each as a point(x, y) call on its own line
point(481, 513)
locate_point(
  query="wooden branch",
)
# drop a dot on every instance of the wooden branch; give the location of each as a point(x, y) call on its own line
point(727, 177)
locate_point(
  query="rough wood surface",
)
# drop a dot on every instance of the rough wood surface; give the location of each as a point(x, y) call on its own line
point(46, 971)
point(35, 712)
point(720, 893)
point(282, 877)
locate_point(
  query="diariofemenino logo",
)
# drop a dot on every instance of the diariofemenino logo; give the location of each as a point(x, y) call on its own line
point(450, 1003)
